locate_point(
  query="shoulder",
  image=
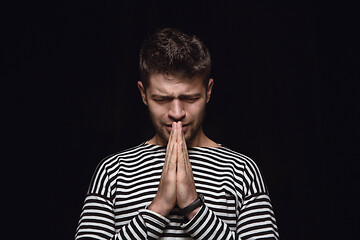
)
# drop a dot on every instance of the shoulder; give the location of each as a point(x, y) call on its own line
point(240, 157)
point(253, 178)
point(107, 170)
point(224, 154)
point(249, 164)
point(127, 155)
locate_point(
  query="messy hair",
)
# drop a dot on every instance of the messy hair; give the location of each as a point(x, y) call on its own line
point(171, 52)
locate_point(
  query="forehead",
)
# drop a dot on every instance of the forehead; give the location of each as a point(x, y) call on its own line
point(171, 85)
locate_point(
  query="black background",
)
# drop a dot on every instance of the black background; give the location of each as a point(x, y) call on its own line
point(286, 79)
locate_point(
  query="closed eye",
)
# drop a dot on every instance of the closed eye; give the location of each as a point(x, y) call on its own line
point(191, 99)
point(186, 98)
point(161, 99)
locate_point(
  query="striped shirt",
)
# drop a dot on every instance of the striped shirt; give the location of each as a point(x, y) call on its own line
point(237, 204)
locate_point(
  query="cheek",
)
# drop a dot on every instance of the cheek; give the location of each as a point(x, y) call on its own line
point(196, 110)
point(157, 112)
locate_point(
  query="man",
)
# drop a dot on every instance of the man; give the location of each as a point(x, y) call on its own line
point(179, 184)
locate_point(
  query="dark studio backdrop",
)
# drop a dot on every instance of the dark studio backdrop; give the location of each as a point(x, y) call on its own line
point(286, 77)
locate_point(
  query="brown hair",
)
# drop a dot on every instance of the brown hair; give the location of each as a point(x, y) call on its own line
point(169, 51)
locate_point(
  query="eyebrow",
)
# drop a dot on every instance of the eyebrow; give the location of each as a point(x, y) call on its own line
point(172, 96)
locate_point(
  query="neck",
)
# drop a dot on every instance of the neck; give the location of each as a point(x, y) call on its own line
point(202, 141)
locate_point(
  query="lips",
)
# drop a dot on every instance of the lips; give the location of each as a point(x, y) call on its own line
point(169, 127)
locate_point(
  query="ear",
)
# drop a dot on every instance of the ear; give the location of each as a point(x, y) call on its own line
point(142, 92)
point(209, 89)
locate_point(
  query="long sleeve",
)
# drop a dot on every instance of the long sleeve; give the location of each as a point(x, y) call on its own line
point(97, 220)
point(237, 203)
point(255, 216)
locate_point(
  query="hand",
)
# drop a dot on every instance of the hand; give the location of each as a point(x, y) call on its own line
point(165, 198)
point(177, 182)
point(185, 185)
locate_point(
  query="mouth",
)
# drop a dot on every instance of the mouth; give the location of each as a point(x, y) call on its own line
point(169, 127)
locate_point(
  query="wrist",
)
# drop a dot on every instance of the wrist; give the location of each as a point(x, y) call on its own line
point(192, 214)
point(191, 210)
point(159, 208)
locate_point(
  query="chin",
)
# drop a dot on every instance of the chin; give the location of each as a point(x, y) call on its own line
point(163, 137)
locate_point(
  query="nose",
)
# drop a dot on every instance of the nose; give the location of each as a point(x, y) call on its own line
point(176, 111)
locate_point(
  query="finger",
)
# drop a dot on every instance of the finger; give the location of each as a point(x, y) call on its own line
point(181, 153)
point(180, 160)
point(183, 139)
point(180, 138)
point(178, 128)
point(171, 136)
point(184, 150)
point(172, 158)
point(171, 154)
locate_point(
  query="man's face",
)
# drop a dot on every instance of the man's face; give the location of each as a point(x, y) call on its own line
point(171, 99)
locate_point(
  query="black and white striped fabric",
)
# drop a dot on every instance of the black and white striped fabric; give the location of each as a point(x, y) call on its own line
point(237, 204)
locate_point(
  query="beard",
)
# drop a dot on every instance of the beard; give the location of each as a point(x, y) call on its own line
point(192, 131)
